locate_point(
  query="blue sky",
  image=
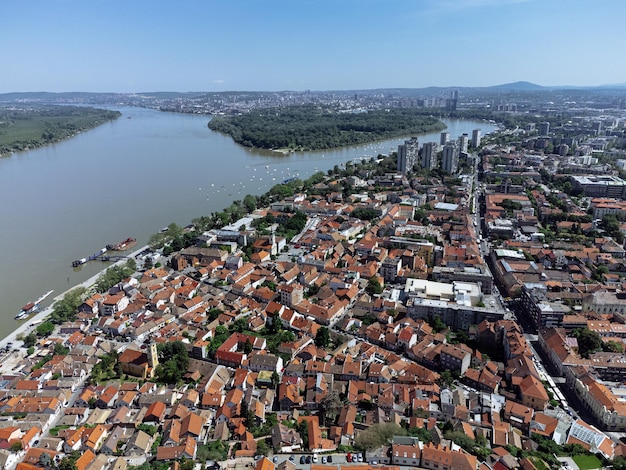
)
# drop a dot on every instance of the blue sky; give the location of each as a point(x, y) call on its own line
point(193, 45)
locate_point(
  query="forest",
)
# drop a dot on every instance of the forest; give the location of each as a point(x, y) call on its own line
point(309, 127)
point(30, 127)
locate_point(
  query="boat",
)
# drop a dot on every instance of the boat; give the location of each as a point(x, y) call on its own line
point(123, 245)
point(32, 307)
point(78, 262)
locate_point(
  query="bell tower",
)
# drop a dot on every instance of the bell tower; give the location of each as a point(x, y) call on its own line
point(153, 356)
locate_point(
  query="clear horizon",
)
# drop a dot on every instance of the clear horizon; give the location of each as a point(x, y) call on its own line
point(285, 45)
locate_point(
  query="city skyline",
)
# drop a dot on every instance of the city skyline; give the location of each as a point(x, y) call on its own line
point(323, 45)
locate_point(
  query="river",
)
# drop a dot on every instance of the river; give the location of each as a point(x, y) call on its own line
point(130, 178)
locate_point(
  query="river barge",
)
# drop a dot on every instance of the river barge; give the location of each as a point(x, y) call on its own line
point(123, 245)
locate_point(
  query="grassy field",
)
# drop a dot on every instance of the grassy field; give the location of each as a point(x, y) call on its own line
point(587, 462)
point(23, 128)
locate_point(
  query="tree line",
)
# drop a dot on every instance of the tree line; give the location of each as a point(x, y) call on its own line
point(309, 127)
point(34, 127)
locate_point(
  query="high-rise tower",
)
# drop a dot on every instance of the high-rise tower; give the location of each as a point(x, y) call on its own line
point(463, 143)
point(407, 155)
point(444, 138)
point(475, 138)
point(450, 161)
point(429, 155)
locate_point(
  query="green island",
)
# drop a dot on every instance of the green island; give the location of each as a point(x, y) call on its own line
point(309, 127)
point(24, 127)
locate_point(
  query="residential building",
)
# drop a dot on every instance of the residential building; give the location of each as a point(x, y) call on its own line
point(476, 138)
point(450, 160)
point(429, 156)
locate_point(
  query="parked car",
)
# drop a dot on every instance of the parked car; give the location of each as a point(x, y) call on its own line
point(292, 458)
point(330, 459)
point(314, 458)
point(324, 459)
point(308, 459)
point(302, 460)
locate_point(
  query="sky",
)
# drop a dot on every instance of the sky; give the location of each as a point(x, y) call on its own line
point(267, 45)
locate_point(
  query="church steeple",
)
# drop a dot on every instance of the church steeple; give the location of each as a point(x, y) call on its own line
point(153, 356)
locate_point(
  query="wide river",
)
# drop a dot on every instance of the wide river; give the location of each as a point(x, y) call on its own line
point(130, 178)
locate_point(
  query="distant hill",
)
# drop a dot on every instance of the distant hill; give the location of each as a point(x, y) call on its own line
point(517, 86)
point(612, 86)
point(520, 87)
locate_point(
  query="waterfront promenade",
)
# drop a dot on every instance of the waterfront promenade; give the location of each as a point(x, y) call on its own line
point(9, 360)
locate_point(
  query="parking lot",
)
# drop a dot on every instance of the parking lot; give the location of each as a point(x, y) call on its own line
point(304, 461)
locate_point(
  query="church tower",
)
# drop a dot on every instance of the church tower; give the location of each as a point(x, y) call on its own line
point(153, 356)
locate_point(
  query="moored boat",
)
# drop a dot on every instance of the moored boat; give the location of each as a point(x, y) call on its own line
point(123, 245)
point(31, 307)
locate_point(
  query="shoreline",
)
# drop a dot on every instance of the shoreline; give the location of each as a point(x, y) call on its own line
point(58, 140)
point(27, 326)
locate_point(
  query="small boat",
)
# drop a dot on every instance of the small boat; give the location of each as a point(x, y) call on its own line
point(31, 307)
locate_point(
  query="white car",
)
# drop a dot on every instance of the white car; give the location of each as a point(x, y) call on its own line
point(314, 458)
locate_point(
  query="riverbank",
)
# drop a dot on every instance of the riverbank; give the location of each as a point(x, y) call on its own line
point(52, 222)
point(38, 126)
point(29, 325)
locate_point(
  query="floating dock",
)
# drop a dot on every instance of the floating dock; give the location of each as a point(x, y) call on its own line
point(80, 262)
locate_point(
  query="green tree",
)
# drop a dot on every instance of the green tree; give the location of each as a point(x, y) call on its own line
point(422, 434)
point(322, 338)
point(378, 435)
point(262, 448)
point(66, 308)
point(114, 275)
point(446, 377)
point(275, 379)
point(148, 429)
point(173, 362)
point(331, 406)
point(215, 450)
point(69, 461)
point(303, 430)
point(373, 286)
point(436, 324)
point(30, 340)
point(619, 463)
point(60, 350)
point(16, 446)
point(249, 202)
point(187, 464)
point(588, 341)
point(44, 459)
point(613, 346)
point(45, 329)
